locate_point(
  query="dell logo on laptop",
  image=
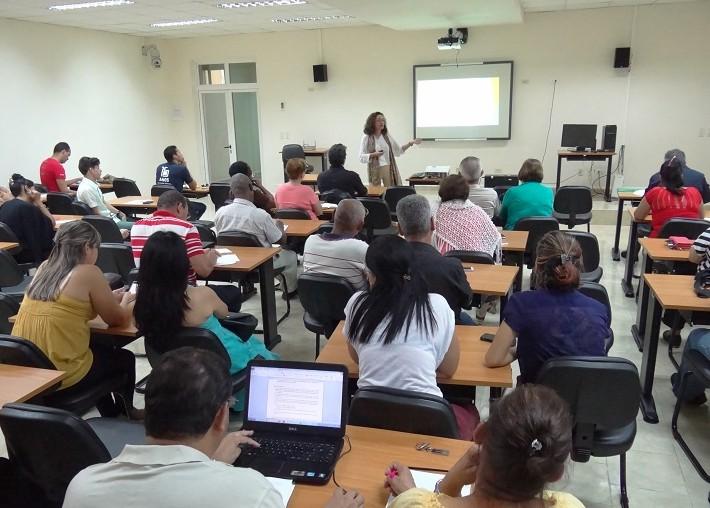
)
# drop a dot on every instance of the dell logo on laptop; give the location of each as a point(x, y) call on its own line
point(293, 429)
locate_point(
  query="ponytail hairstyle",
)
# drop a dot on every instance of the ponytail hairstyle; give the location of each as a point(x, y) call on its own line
point(558, 262)
point(527, 439)
point(672, 176)
point(161, 298)
point(18, 183)
point(398, 297)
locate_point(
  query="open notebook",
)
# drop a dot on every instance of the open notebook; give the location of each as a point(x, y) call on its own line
point(226, 257)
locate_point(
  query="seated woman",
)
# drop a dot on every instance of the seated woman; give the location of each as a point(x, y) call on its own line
point(399, 334)
point(522, 447)
point(670, 199)
point(165, 302)
point(555, 319)
point(66, 293)
point(529, 199)
point(461, 225)
point(293, 194)
point(29, 219)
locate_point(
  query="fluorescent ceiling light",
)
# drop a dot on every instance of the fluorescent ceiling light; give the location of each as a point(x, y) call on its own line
point(263, 3)
point(311, 19)
point(188, 22)
point(85, 5)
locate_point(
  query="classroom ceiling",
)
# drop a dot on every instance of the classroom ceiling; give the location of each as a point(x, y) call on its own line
point(136, 18)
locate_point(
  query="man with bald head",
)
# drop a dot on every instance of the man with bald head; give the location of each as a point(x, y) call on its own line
point(339, 252)
point(242, 215)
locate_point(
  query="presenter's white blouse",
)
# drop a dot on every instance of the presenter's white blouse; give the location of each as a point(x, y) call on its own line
point(380, 144)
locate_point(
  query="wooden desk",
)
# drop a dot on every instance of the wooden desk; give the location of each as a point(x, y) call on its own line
point(470, 371)
point(622, 196)
point(514, 243)
point(105, 187)
point(115, 336)
point(130, 204)
point(413, 181)
point(302, 228)
point(8, 245)
point(60, 219)
point(261, 259)
point(666, 292)
point(18, 384)
point(493, 280)
point(376, 191)
point(200, 192)
point(587, 156)
point(372, 451)
point(310, 179)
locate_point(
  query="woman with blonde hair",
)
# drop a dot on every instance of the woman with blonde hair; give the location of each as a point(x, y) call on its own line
point(553, 320)
point(378, 150)
point(293, 194)
point(529, 199)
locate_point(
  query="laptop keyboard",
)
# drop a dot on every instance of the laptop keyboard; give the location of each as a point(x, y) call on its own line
point(306, 451)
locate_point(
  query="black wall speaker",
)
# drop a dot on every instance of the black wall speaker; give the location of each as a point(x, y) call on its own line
point(622, 57)
point(320, 73)
point(609, 138)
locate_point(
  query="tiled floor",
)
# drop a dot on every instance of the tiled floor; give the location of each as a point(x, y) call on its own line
point(658, 472)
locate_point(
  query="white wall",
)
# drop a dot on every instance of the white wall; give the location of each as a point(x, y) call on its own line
point(370, 68)
point(92, 89)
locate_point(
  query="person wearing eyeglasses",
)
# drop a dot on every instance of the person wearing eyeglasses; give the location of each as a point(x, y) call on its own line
point(486, 198)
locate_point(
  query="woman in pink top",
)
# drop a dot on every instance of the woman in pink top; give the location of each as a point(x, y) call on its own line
point(293, 194)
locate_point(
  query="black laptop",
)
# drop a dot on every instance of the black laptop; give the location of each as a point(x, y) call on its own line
point(298, 412)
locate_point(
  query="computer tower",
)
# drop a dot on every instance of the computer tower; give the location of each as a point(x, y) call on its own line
point(609, 138)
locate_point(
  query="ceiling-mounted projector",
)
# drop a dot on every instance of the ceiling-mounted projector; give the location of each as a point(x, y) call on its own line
point(454, 40)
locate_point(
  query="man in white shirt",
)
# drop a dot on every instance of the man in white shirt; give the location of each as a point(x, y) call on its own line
point(90, 193)
point(188, 458)
point(470, 169)
point(339, 252)
point(243, 215)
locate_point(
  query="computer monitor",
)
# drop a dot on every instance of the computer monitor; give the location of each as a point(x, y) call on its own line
point(579, 136)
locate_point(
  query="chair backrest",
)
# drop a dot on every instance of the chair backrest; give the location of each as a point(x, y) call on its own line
point(107, 228)
point(573, 200)
point(237, 239)
point(536, 227)
point(81, 208)
point(187, 337)
point(8, 235)
point(378, 215)
point(334, 196)
point(324, 297)
point(590, 249)
point(219, 194)
point(60, 203)
point(207, 236)
point(501, 190)
point(18, 351)
point(403, 411)
point(291, 213)
point(158, 190)
point(292, 152)
point(690, 228)
point(116, 258)
point(10, 272)
point(325, 228)
point(598, 292)
point(123, 187)
point(9, 307)
point(392, 195)
point(50, 445)
point(471, 256)
point(602, 393)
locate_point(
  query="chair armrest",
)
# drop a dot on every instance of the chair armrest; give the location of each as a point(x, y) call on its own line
point(241, 324)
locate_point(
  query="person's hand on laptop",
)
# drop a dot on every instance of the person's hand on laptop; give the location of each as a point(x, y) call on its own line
point(229, 449)
point(345, 499)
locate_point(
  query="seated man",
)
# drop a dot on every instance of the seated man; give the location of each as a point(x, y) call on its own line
point(242, 215)
point(337, 177)
point(340, 252)
point(90, 193)
point(51, 171)
point(171, 215)
point(691, 177)
point(443, 275)
point(175, 173)
point(470, 169)
point(262, 197)
point(188, 456)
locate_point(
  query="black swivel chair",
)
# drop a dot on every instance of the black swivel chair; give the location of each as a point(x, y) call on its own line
point(107, 228)
point(470, 256)
point(334, 196)
point(219, 194)
point(13, 281)
point(690, 228)
point(8, 235)
point(403, 411)
point(604, 396)
point(323, 298)
point(294, 152)
point(392, 196)
point(573, 206)
point(291, 213)
point(378, 220)
point(117, 259)
point(158, 190)
point(50, 446)
point(60, 203)
point(123, 187)
point(599, 293)
point(207, 236)
point(9, 307)
point(81, 208)
point(590, 255)
point(536, 227)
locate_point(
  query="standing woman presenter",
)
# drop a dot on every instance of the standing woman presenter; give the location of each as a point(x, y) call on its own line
point(378, 150)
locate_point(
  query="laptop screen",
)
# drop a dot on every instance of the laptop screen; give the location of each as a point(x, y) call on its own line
point(295, 396)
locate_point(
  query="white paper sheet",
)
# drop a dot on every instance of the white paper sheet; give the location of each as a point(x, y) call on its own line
point(427, 480)
point(328, 205)
point(639, 192)
point(224, 251)
point(283, 486)
point(139, 202)
point(227, 259)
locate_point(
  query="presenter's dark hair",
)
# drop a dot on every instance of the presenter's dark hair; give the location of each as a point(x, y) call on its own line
point(170, 152)
point(184, 392)
point(336, 154)
point(61, 146)
point(370, 124)
point(17, 183)
point(672, 176)
point(161, 299)
point(531, 171)
point(453, 187)
point(86, 163)
point(240, 167)
point(398, 297)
